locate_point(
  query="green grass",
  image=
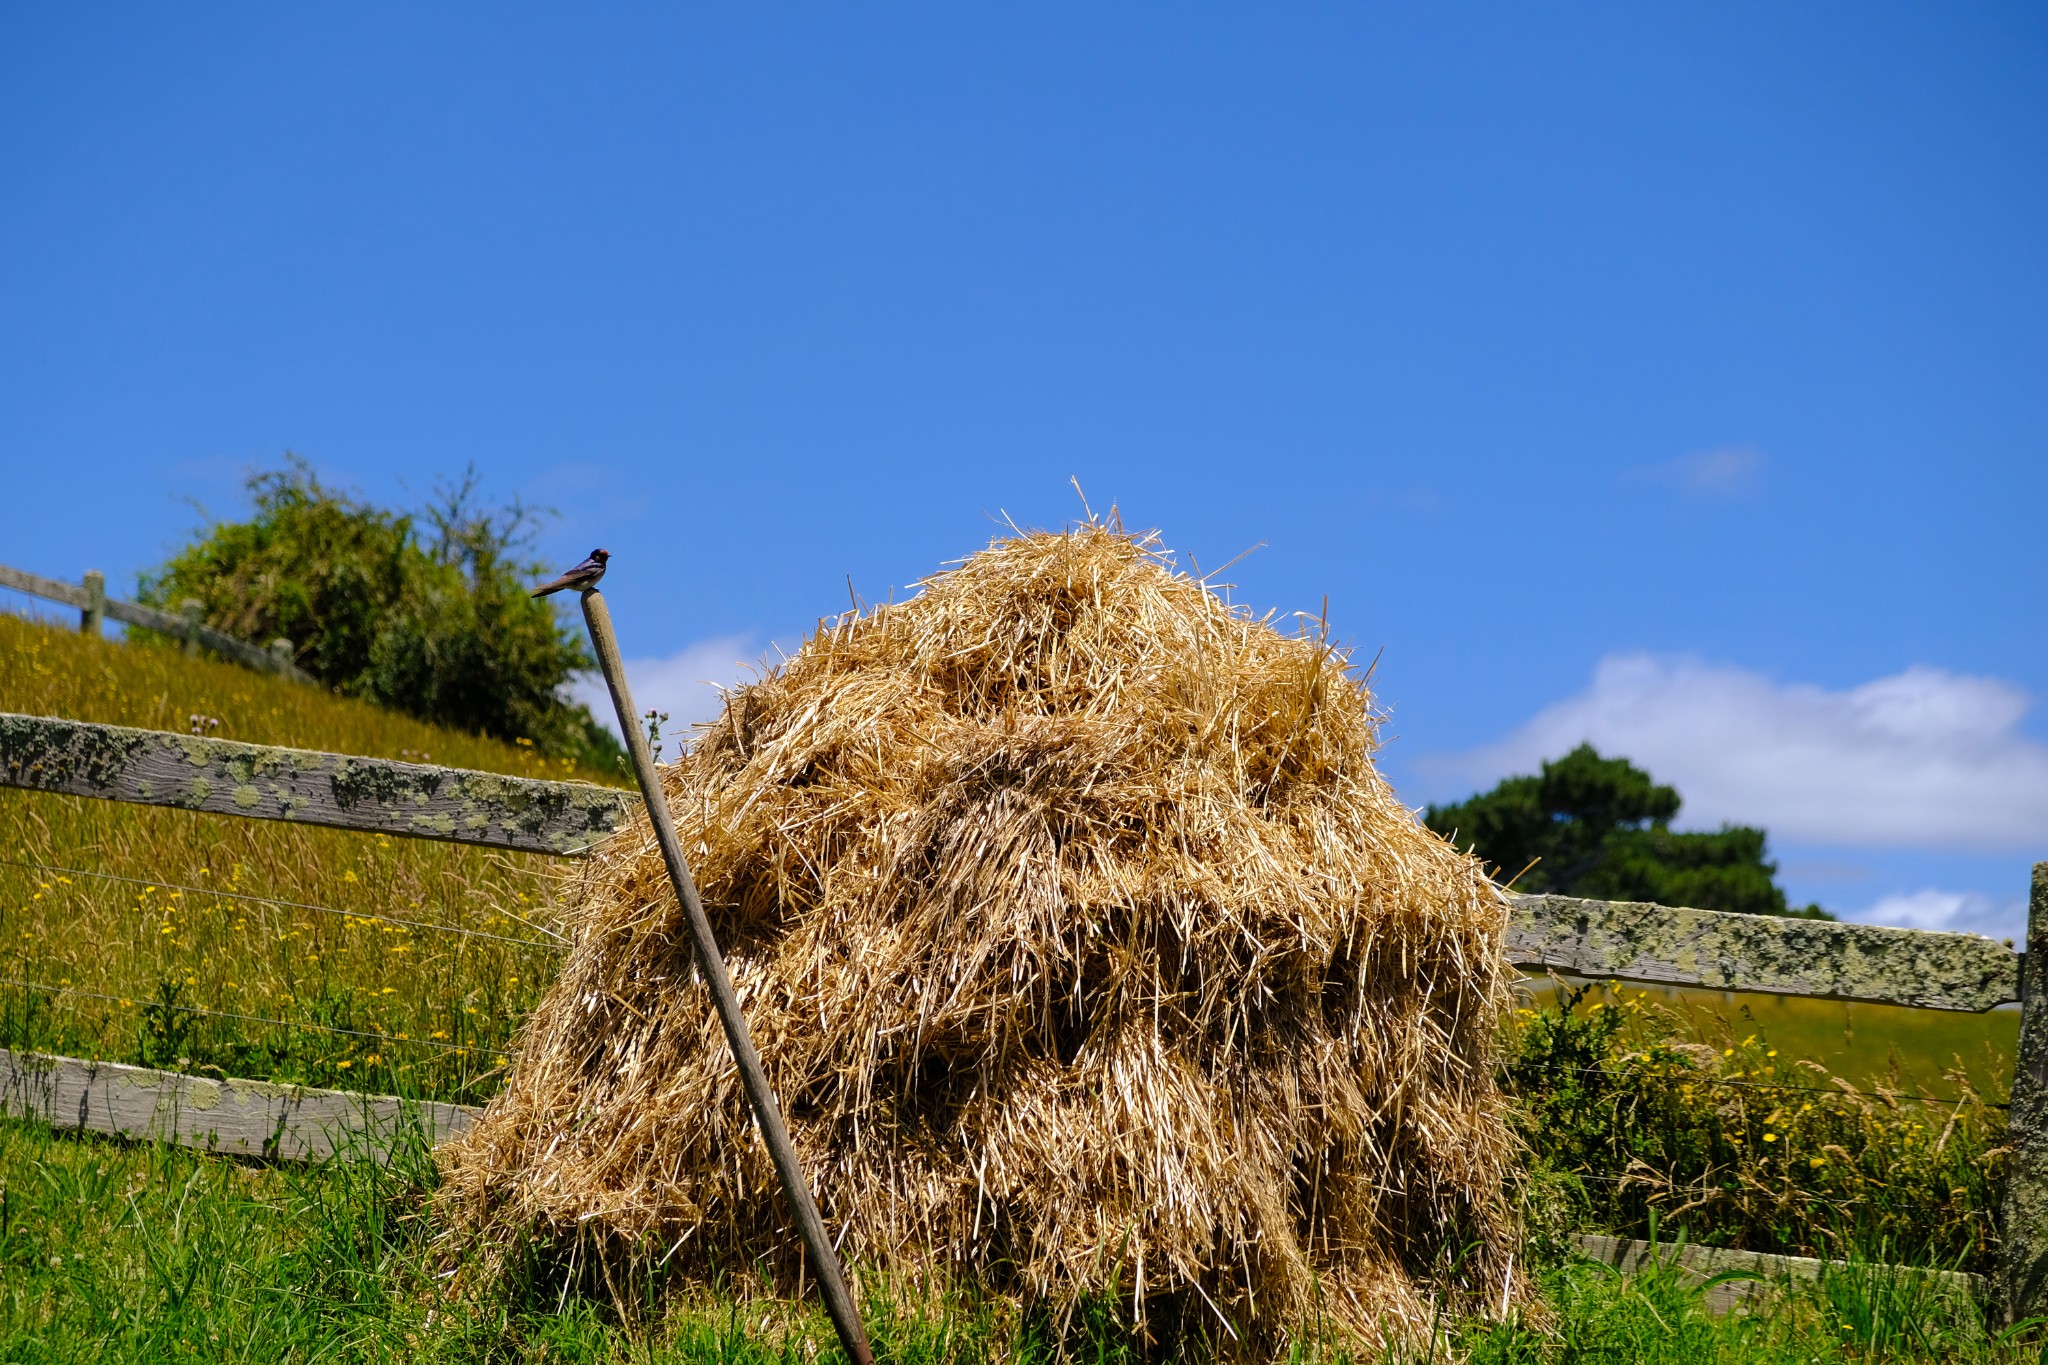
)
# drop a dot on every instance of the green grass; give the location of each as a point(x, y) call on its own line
point(1862, 1043)
point(113, 1252)
point(1861, 1312)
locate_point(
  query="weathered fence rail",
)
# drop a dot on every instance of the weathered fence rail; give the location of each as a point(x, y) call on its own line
point(265, 782)
point(237, 1117)
point(1632, 941)
point(94, 606)
point(1620, 940)
point(1702, 1265)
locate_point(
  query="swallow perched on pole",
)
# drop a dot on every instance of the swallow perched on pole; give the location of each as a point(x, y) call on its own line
point(582, 578)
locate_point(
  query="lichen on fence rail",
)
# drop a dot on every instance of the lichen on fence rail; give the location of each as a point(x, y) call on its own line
point(417, 800)
point(1762, 953)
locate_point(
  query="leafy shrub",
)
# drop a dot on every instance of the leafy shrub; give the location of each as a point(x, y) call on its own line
point(439, 626)
point(1740, 1147)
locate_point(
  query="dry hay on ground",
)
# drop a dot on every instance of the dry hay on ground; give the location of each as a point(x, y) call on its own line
point(1086, 949)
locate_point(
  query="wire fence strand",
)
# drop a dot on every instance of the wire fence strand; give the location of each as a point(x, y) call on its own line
point(1838, 1092)
point(558, 939)
point(255, 1018)
point(1656, 1184)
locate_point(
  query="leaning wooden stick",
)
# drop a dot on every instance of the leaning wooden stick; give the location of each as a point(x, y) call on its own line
point(824, 1260)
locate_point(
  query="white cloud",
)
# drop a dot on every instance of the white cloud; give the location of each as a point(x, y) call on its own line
point(685, 684)
point(1922, 759)
point(1723, 472)
point(1962, 911)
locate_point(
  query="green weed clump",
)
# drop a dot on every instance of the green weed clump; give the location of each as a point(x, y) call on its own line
point(1740, 1146)
point(167, 921)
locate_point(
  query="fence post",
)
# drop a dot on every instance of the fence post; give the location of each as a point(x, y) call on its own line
point(281, 656)
point(95, 611)
point(2023, 1250)
point(194, 610)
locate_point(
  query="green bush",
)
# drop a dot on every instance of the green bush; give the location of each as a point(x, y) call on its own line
point(1737, 1146)
point(438, 625)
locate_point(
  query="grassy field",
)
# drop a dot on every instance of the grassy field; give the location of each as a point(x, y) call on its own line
point(159, 913)
point(1867, 1045)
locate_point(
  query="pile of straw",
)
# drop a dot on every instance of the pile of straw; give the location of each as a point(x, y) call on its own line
point(1088, 953)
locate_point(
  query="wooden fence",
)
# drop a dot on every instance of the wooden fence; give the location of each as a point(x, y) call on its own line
point(1606, 939)
point(95, 607)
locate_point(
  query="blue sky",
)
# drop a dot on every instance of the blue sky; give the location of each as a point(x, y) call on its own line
point(1671, 376)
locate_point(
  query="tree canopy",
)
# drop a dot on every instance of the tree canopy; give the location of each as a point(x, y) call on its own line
point(426, 613)
point(1600, 827)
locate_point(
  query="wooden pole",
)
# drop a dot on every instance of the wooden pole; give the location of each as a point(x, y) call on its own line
point(824, 1260)
point(2023, 1250)
point(195, 614)
point(95, 609)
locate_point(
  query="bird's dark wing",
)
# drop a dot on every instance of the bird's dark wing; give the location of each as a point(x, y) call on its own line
point(560, 583)
point(582, 576)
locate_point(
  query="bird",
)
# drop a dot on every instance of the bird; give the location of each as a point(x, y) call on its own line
point(582, 578)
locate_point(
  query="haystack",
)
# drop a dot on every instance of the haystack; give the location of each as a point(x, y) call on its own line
point(1087, 950)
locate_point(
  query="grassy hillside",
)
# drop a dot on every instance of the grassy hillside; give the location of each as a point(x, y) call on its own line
point(161, 912)
point(48, 669)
